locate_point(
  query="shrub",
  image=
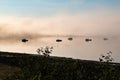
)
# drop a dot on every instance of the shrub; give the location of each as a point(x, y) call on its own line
point(45, 51)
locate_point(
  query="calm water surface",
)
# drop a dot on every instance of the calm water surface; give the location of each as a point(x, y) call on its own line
point(77, 48)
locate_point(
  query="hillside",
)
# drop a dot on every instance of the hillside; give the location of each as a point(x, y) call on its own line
point(19, 66)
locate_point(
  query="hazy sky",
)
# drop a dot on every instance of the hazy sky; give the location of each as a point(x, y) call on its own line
point(78, 17)
point(35, 18)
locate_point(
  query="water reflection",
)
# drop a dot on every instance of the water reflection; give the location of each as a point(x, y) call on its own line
point(77, 48)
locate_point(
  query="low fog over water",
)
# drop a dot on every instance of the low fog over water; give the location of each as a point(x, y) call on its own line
point(94, 26)
point(77, 48)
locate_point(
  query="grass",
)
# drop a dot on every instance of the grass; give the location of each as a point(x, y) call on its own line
point(19, 66)
point(8, 71)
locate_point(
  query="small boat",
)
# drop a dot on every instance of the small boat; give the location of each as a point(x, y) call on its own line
point(105, 39)
point(70, 38)
point(58, 40)
point(24, 40)
point(87, 40)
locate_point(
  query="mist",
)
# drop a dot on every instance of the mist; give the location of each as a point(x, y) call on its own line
point(95, 23)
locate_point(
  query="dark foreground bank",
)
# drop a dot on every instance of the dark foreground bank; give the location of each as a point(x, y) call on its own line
point(16, 66)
